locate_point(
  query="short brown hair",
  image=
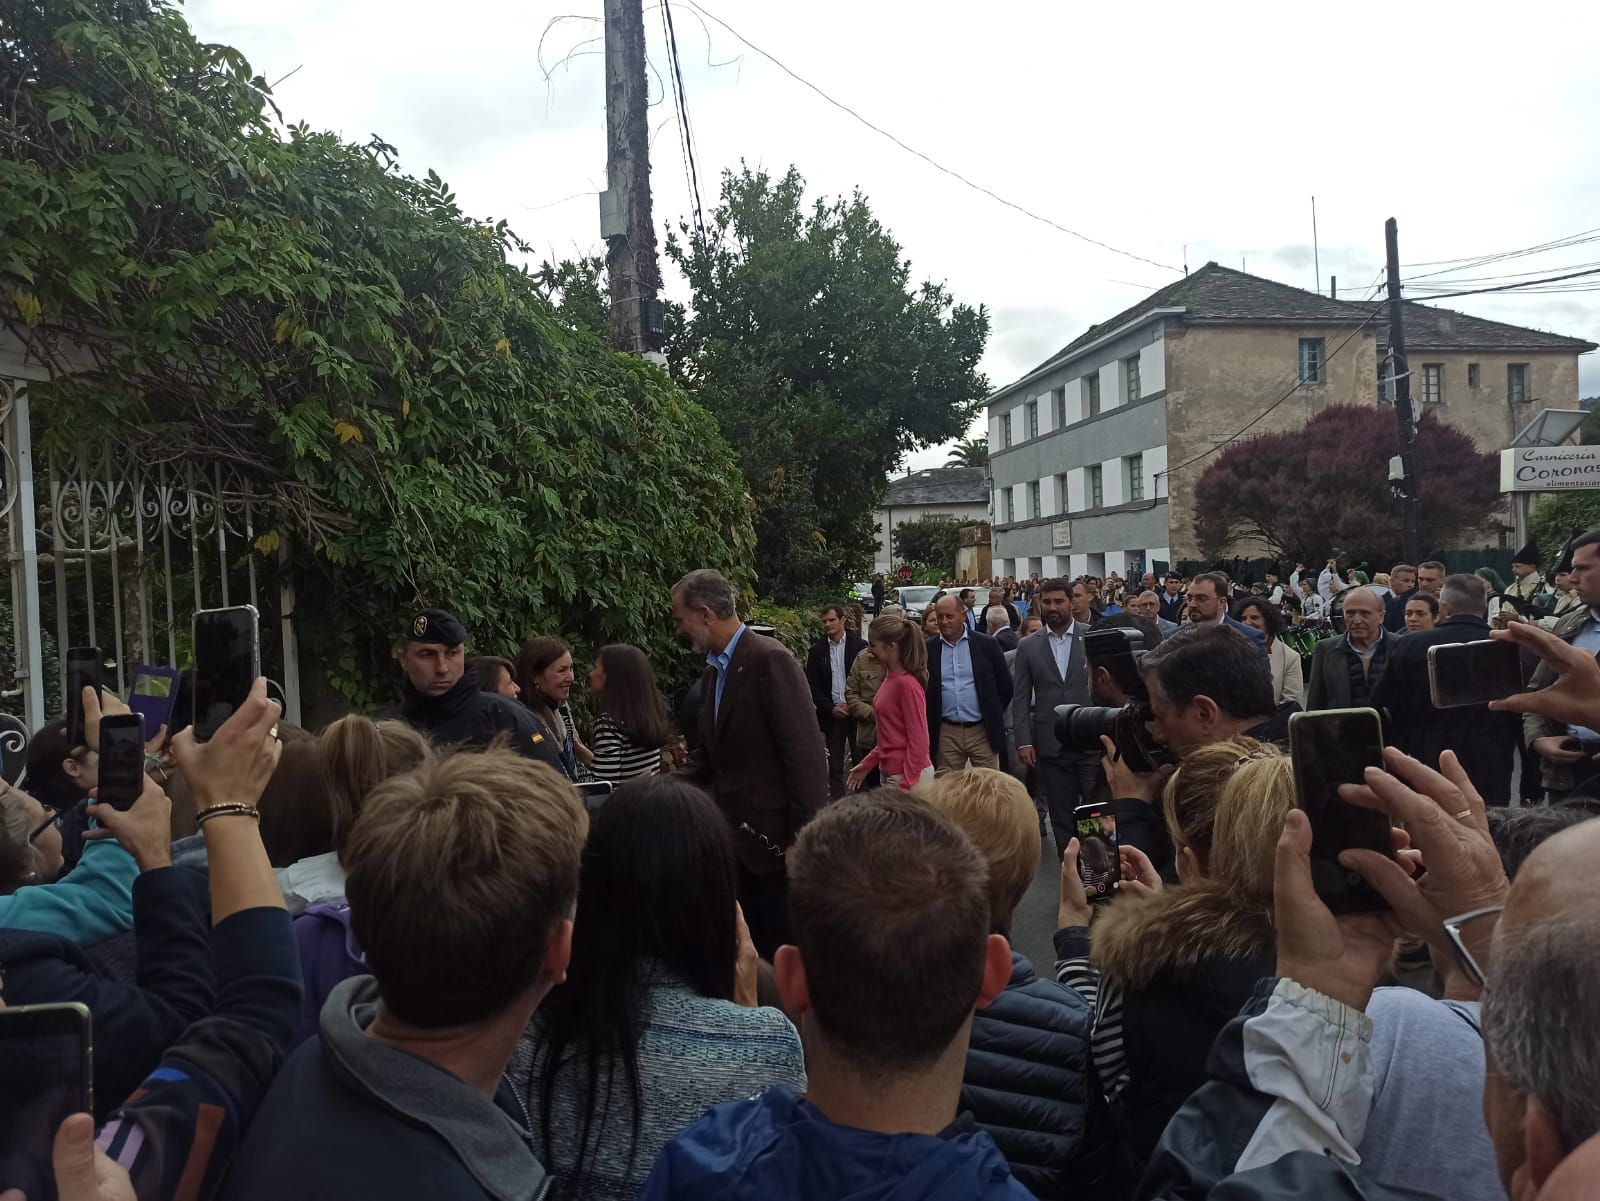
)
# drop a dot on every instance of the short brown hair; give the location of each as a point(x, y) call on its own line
point(905, 636)
point(459, 873)
point(890, 906)
point(996, 812)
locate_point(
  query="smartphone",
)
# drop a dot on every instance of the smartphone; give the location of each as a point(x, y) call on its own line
point(1330, 748)
point(595, 792)
point(1473, 673)
point(121, 760)
point(48, 1057)
point(153, 695)
point(84, 669)
point(227, 660)
point(1099, 864)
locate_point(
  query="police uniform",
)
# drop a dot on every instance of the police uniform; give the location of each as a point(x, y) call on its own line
point(466, 715)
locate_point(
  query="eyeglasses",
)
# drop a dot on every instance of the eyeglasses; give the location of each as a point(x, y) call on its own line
point(55, 819)
point(1453, 926)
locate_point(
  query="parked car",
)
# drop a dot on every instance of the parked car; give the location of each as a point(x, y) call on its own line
point(862, 594)
point(915, 598)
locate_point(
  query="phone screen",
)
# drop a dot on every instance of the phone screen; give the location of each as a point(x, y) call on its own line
point(83, 671)
point(1473, 673)
point(121, 760)
point(1331, 748)
point(153, 695)
point(1098, 862)
point(45, 1049)
point(227, 660)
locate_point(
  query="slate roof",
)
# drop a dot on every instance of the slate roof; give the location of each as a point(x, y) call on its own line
point(939, 486)
point(1217, 295)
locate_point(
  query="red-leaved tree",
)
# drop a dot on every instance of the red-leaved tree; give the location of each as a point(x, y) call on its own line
point(1326, 485)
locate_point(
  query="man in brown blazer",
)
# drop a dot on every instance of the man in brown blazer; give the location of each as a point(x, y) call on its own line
point(761, 754)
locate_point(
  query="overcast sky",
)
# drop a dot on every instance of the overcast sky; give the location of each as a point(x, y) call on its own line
point(1176, 132)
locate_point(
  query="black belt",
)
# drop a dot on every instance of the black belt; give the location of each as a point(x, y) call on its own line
point(965, 725)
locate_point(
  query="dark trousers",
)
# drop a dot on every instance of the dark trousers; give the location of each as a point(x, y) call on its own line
point(1068, 781)
point(836, 733)
point(765, 901)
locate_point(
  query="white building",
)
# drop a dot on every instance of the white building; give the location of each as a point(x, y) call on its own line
point(960, 492)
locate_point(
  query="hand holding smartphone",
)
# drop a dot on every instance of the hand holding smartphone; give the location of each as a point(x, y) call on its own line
point(227, 660)
point(84, 670)
point(47, 1052)
point(1099, 862)
point(1330, 748)
point(121, 760)
point(1473, 673)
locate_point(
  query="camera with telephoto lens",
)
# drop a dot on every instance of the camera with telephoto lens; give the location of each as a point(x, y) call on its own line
point(1080, 727)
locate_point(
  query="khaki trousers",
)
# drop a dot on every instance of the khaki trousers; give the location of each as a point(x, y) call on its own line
point(958, 744)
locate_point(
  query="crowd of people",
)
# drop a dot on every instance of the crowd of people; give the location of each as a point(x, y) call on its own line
point(431, 955)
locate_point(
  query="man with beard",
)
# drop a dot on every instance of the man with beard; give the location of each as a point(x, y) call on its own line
point(761, 754)
point(448, 706)
point(1049, 670)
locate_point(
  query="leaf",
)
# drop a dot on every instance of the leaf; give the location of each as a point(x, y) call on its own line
point(268, 543)
point(346, 432)
point(281, 330)
point(405, 408)
point(503, 345)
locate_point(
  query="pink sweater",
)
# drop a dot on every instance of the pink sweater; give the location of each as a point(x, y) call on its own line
point(901, 707)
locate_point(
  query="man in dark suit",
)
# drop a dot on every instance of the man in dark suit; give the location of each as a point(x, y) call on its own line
point(968, 691)
point(1345, 670)
point(1050, 669)
point(827, 666)
point(1566, 753)
point(1402, 587)
point(1485, 742)
point(761, 754)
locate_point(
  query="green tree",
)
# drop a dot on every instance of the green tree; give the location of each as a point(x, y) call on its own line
point(415, 419)
point(823, 364)
point(969, 452)
point(1558, 518)
point(930, 542)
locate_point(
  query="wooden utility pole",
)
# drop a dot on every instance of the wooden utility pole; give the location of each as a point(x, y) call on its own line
point(1400, 374)
point(625, 221)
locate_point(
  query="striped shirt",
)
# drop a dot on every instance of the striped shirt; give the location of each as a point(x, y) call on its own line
point(617, 757)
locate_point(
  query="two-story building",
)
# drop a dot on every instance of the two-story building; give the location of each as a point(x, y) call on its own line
point(1094, 455)
point(959, 492)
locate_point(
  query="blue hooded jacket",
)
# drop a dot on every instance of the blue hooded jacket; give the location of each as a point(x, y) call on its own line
point(778, 1146)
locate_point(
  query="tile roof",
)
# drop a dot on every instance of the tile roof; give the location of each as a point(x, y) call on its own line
point(940, 486)
point(1220, 295)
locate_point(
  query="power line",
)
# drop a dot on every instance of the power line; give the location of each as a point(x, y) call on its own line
point(938, 166)
point(1509, 287)
point(681, 103)
point(1576, 239)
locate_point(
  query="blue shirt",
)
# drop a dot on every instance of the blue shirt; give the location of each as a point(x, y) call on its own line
point(720, 662)
point(958, 688)
point(1587, 639)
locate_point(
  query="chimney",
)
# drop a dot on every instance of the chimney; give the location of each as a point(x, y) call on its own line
point(1333, 287)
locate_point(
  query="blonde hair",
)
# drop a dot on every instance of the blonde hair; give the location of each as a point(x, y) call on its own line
point(995, 811)
point(355, 755)
point(1226, 803)
point(460, 873)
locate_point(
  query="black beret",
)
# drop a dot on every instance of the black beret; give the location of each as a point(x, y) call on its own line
point(435, 625)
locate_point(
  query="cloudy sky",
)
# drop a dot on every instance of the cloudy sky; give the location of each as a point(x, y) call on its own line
point(1174, 132)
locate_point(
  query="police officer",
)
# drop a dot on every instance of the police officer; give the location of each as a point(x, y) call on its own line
point(447, 705)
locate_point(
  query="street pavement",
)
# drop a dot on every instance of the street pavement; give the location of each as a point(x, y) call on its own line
point(1033, 926)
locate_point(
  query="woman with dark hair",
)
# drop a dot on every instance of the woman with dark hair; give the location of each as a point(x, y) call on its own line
point(633, 726)
point(495, 674)
point(545, 675)
point(1288, 676)
point(657, 1021)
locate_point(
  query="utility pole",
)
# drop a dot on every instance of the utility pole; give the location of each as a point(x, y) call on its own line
point(634, 324)
point(1400, 375)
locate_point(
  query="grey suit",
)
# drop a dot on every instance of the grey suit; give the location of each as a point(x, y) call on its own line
point(1069, 778)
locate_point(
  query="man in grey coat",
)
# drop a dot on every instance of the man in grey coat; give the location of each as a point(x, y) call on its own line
point(1050, 669)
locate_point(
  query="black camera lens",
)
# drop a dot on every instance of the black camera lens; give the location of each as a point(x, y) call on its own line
point(1079, 727)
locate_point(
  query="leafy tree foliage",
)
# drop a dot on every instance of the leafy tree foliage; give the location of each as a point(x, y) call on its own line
point(418, 421)
point(1327, 485)
point(1560, 517)
point(969, 452)
point(822, 364)
point(930, 542)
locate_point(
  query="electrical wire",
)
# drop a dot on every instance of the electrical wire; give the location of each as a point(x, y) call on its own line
point(1577, 239)
point(1532, 283)
point(934, 163)
point(681, 102)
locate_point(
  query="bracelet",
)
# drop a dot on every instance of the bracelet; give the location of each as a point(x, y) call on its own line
point(231, 808)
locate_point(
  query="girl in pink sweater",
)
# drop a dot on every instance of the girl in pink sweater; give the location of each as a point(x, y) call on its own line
point(900, 706)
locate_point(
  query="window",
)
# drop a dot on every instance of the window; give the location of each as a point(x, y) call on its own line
point(1432, 383)
point(1135, 469)
point(1005, 506)
point(1311, 360)
point(1097, 492)
point(1005, 431)
point(1472, 375)
point(1091, 394)
point(1058, 403)
point(1033, 501)
point(1130, 373)
point(1517, 381)
point(1030, 411)
point(1061, 493)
